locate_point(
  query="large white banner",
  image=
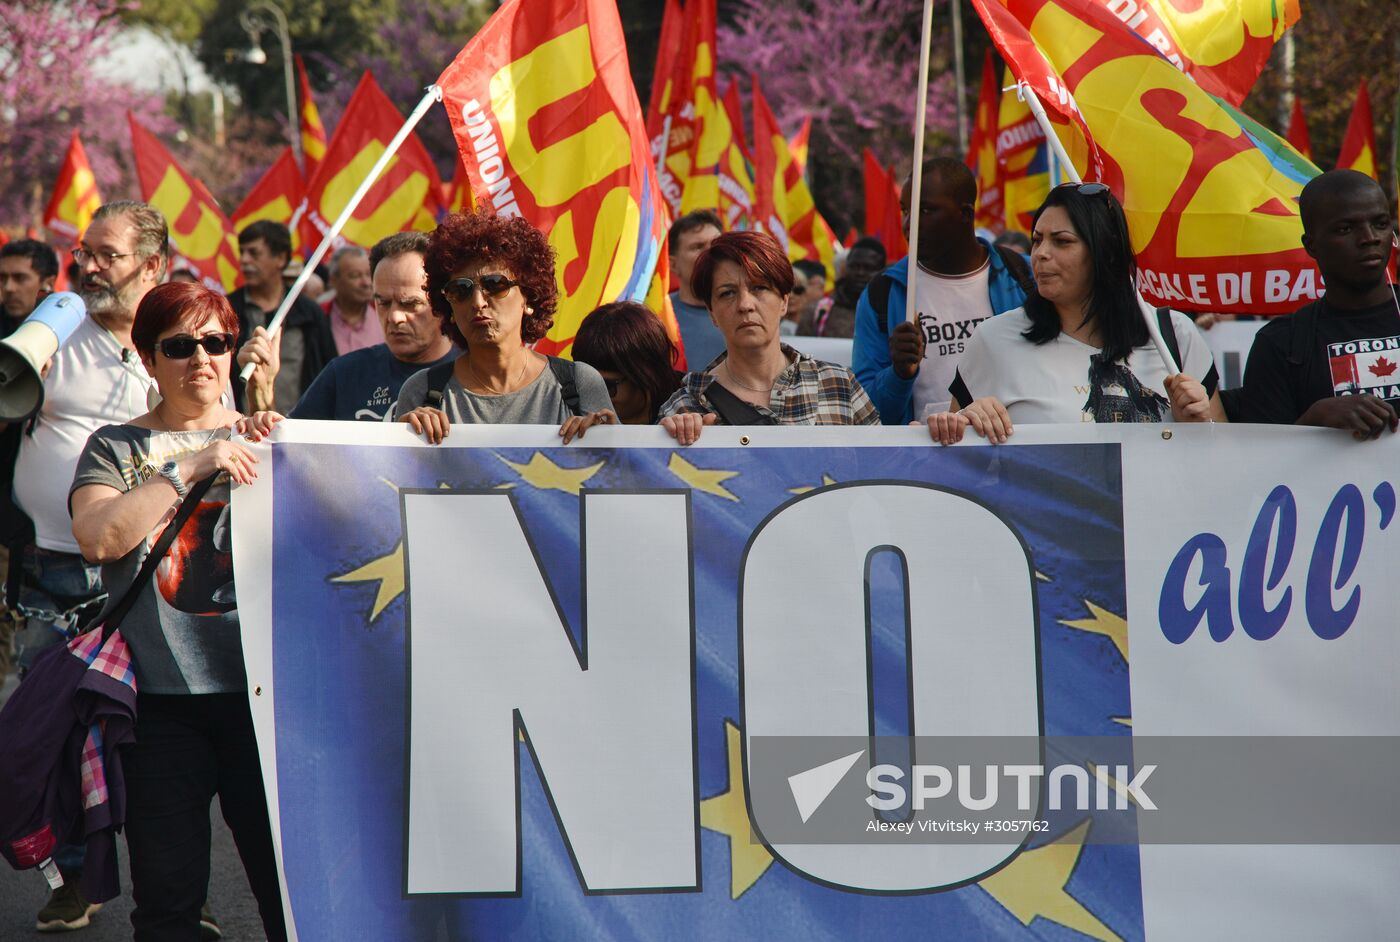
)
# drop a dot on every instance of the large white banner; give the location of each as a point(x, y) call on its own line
point(508, 689)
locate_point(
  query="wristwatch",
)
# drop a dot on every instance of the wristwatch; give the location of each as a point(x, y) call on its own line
point(171, 472)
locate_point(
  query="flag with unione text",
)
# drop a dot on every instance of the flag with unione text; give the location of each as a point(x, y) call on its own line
point(1359, 143)
point(550, 129)
point(75, 197)
point(982, 151)
point(201, 237)
point(277, 196)
point(690, 141)
point(1210, 195)
point(313, 132)
point(1023, 158)
point(405, 196)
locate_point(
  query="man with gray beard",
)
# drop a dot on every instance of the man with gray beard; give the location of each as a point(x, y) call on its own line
point(94, 379)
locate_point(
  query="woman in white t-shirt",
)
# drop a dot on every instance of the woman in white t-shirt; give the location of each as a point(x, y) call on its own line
point(1079, 350)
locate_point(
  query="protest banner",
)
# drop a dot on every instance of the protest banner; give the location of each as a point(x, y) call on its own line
point(522, 691)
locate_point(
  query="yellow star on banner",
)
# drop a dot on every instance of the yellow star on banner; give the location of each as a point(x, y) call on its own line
point(1043, 577)
point(546, 475)
point(1102, 622)
point(1123, 720)
point(827, 481)
point(728, 814)
point(701, 479)
point(387, 570)
point(1033, 885)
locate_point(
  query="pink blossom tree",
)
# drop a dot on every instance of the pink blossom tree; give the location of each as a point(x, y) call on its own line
point(48, 88)
point(852, 66)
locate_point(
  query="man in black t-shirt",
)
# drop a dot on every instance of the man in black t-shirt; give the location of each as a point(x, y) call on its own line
point(1336, 362)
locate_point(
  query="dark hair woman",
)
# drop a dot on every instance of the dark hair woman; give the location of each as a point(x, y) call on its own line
point(627, 344)
point(194, 731)
point(491, 284)
point(745, 279)
point(1081, 329)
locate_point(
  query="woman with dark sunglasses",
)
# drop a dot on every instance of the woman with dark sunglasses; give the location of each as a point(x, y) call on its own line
point(491, 284)
point(1079, 350)
point(626, 343)
point(194, 732)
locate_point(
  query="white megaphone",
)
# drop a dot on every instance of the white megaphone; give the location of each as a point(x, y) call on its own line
point(24, 353)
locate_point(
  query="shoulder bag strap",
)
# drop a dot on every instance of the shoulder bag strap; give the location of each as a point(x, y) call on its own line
point(438, 378)
point(568, 385)
point(1016, 264)
point(113, 618)
point(734, 410)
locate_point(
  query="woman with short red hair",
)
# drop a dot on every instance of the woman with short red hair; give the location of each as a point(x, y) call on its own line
point(194, 732)
point(745, 279)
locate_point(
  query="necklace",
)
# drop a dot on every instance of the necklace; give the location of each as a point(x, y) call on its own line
point(743, 385)
point(476, 381)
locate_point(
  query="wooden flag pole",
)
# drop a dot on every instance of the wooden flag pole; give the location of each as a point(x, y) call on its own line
point(911, 312)
point(432, 95)
point(1149, 313)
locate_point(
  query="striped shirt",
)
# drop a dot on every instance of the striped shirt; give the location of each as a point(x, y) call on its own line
point(807, 392)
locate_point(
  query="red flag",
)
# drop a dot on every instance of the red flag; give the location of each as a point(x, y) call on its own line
point(877, 189)
point(200, 233)
point(75, 197)
point(549, 128)
point(277, 196)
point(663, 73)
point(1298, 130)
point(892, 230)
point(798, 144)
point(313, 132)
point(982, 151)
point(770, 190)
point(1359, 143)
point(405, 196)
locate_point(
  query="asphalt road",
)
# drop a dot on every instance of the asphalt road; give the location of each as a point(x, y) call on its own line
point(23, 893)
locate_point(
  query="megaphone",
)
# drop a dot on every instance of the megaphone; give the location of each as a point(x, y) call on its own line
point(24, 353)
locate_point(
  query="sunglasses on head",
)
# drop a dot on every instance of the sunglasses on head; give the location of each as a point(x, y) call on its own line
point(1086, 189)
point(459, 290)
point(182, 348)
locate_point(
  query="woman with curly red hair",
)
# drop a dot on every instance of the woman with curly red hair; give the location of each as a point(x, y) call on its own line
point(491, 283)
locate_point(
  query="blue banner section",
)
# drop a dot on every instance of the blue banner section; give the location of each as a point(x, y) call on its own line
point(339, 646)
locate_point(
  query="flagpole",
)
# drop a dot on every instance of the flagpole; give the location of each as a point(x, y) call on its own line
point(916, 177)
point(1149, 313)
point(432, 95)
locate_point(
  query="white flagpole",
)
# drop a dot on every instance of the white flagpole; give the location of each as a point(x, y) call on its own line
point(1149, 313)
point(911, 312)
point(432, 95)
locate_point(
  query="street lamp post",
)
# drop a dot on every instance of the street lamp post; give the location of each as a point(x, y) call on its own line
point(261, 15)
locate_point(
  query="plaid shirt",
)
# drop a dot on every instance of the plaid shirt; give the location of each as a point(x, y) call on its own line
point(808, 392)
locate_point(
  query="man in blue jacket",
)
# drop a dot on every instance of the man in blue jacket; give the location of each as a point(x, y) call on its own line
point(906, 368)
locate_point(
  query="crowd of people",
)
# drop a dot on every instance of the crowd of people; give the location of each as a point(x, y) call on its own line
point(438, 329)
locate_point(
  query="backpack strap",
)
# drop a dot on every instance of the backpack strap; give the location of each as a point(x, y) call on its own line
point(1015, 263)
point(1164, 324)
point(568, 384)
point(1302, 335)
point(878, 291)
point(732, 409)
point(438, 378)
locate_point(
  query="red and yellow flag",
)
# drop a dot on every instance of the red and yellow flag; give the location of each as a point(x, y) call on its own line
point(1359, 143)
point(1023, 159)
point(982, 151)
point(457, 196)
point(663, 73)
point(200, 233)
point(1298, 130)
point(313, 132)
point(1210, 195)
point(277, 196)
point(75, 196)
point(736, 183)
point(799, 143)
point(1222, 44)
point(407, 194)
point(694, 131)
point(549, 128)
point(785, 206)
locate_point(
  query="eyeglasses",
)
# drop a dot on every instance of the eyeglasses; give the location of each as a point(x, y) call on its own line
point(182, 348)
point(1085, 189)
point(459, 290)
point(104, 260)
point(798, 290)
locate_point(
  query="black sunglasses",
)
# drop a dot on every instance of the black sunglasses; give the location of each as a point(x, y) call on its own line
point(182, 348)
point(459, 290)
point(1085, 189)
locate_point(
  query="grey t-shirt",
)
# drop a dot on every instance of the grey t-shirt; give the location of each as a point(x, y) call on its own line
point(540, 403)
point(183, 628)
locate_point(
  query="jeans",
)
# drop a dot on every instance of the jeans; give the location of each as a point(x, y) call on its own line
point(59, 593)
point(188, 749)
